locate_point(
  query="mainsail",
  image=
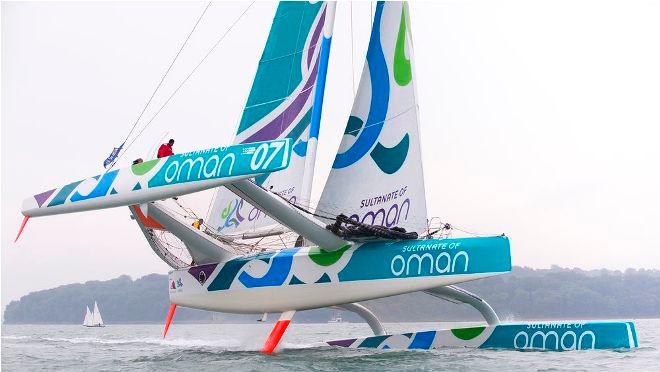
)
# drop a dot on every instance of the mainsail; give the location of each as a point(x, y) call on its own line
point(377, 175)
point(281, 104)
point(96, 316)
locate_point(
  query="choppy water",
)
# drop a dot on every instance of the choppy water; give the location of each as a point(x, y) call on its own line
point(235, 347)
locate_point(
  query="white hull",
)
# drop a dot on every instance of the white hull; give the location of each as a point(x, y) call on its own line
point(304, 297)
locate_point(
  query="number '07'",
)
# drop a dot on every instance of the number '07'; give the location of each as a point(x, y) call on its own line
point(261, 158)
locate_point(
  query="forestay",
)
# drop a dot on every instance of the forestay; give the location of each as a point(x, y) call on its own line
point(377, 176)
point(280, 105)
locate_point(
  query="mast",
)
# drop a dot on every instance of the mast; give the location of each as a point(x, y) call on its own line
point(310, 161)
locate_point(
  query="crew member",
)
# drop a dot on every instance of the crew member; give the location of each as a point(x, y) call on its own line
point(198, 223)
point(165, 149)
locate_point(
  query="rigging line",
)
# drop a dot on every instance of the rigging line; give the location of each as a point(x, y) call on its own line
point(352, 59)
point(160, 83)
point(188, 77)
point(371, 12)
point(301, 208)
point(467, 232)
point(283, 243)
point(188, 210)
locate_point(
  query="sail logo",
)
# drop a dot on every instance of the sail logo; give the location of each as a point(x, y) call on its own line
point(211, 167)
point(427, 264)
point(380, 217)
point(233, 216)
point(176, 284)
point(551, 340)
point(223, 162)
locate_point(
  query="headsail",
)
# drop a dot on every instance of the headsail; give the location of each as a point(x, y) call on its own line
point(281, 105)
point(381, 142)
point(88, 317)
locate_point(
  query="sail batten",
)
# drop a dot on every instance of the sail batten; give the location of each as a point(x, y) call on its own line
point(381, 140)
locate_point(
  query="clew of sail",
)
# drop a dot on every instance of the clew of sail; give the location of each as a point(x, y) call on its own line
point(96, 316)
point(88, 317)
point(281, 105)
point(381, 141)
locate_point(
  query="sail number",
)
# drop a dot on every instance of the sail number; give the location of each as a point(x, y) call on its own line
point(261, 158)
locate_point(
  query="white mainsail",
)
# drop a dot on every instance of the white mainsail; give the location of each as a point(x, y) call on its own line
point(284, 103)
point(96, 316)
point(377, 176)
point(88, 317)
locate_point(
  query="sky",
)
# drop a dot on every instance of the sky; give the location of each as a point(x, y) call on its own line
point(539, 119)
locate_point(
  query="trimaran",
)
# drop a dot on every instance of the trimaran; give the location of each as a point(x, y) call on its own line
point(368, 237)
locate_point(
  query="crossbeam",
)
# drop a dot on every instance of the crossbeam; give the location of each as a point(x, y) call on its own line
point(368, 316)
point(456, 294)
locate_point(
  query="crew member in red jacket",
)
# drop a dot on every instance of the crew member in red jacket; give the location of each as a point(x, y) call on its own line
point(165, 149)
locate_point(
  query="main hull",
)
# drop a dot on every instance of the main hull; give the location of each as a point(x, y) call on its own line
point(552, 336)
point(307, 278)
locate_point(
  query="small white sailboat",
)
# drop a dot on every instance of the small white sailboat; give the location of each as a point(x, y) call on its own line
point(93, 319)
point(336, 318)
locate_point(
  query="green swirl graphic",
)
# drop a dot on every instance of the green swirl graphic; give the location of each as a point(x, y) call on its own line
point(402, 70)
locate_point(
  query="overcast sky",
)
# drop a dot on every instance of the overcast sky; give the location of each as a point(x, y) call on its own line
point(539, 120)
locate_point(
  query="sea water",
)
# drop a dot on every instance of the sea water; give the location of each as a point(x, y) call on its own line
point(234, 347)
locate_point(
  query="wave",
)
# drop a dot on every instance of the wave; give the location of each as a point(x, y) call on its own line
point(177, 343)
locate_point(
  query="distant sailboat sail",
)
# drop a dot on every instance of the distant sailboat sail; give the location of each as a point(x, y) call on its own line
point(381, 141)
point(281, 104)
point(96, 316)
point(88, 318)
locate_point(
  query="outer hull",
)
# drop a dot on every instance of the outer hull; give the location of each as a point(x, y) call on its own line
point(162, 178)
point(554, 336)
point(307, 278)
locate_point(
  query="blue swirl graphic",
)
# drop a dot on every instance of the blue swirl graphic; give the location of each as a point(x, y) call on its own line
point(280, 266)
point(380, 95)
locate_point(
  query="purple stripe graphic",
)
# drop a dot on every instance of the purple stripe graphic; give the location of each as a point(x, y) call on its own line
point(284, 120)
point(342, 343)
point(206, 269)
point(276, 127)
point(41, 198)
